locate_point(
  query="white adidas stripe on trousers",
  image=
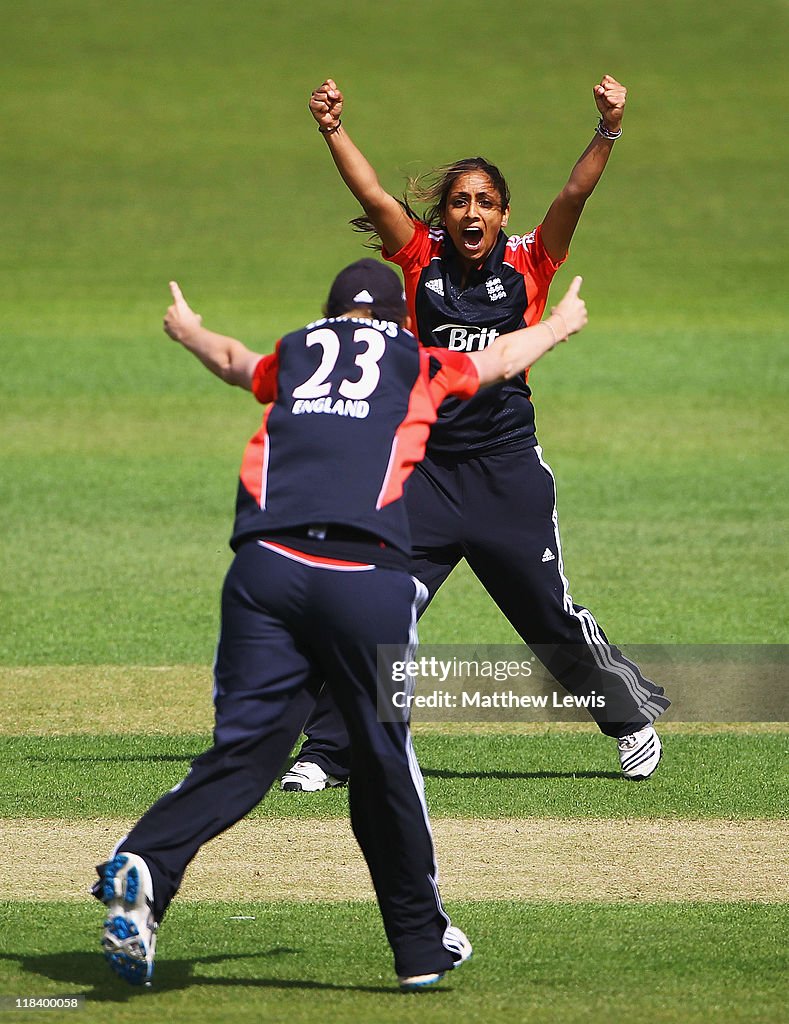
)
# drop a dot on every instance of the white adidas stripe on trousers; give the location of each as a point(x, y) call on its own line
point(415, 771)
point(602, 653)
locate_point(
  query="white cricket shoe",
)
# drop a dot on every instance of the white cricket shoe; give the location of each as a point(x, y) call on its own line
point(458, 945)
point(306, 777)
point(460, 948)
point(640, 753)
point(129, 938)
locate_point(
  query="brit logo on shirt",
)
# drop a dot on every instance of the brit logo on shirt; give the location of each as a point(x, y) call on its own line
point(436, 286)
point(495, 289)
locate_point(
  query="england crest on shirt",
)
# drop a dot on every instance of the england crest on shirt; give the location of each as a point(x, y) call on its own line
point(495, 289)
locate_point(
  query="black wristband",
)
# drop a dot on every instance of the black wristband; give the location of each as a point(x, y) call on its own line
point(606, 133)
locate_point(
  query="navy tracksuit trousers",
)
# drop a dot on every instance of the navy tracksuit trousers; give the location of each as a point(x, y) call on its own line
point(498, 511)
point(288, 625)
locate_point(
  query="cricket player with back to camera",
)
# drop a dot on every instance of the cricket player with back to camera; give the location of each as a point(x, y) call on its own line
point(319, 579)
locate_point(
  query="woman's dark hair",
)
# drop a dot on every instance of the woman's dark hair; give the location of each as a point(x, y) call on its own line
point(433, 188)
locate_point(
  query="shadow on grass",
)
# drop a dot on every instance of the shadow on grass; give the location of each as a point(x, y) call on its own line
point(428, 773)
point(99, 984)
point(452, 773)
point(122, 758)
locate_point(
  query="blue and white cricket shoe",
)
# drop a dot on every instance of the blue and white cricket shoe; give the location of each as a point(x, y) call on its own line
point(417, 982)
point(129, 938)
point(640, 753)
point(460, 948)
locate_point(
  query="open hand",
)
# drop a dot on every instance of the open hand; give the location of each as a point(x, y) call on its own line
point(610, 97)
point(326, 104)
point(180, 319)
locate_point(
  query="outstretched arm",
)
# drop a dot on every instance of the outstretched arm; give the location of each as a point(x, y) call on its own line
point(510, 354)
point(565, 211)
point(223, 356)
point(392, 223)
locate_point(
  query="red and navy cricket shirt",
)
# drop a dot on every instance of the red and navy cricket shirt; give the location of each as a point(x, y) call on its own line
point(352, 403)
point(508, 292)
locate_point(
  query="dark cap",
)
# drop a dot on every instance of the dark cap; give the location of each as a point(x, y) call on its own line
point(371, 285)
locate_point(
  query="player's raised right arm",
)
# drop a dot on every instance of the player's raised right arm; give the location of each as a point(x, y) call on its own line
point(226, 357)
point(388, 217)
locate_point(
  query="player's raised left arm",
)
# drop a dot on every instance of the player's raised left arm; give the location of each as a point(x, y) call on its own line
point(226, 357)
point(510, 354)
point(565, 211)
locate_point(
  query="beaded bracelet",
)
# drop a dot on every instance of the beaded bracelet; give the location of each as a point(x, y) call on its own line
point(606, 133)
point(330, 131)
point(553, 332)
point(555, 312)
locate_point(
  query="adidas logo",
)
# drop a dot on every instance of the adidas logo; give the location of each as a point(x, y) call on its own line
point(435, 286)
point(495, 289)
point(363, 296)
point(548, 555)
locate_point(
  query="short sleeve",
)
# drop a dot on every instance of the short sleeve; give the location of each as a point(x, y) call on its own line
point(450, 373)
point(528, 255)
point(264, 379)
point(416, 252)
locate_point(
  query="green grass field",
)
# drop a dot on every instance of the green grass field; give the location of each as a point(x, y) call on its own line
point(294, 963)
point(469, 777)
point(144, 142)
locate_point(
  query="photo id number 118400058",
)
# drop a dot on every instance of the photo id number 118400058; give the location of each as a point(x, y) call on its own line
point(42, 1002)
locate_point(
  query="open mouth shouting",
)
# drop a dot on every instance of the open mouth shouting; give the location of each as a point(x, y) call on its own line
point(473, 216)
point(472, 239)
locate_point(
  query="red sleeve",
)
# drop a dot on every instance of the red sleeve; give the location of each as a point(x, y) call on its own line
point(527, 254)
point(450, 373)
point(538, 258)
point(416, 253)
point(264, 379)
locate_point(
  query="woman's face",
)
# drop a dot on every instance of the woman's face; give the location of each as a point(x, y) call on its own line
point(473, 216)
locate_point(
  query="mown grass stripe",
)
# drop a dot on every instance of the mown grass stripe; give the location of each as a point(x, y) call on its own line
point(298, 963)
point(531, 859)
point(559, 775)
point(61, 700)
